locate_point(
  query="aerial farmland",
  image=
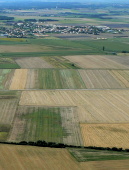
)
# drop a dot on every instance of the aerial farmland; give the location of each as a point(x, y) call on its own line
point(64, 86)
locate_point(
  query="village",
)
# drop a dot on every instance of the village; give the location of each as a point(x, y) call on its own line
point(30, 29)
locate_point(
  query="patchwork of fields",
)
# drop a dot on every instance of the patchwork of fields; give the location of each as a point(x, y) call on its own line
point(70, 117)
point(21, 79)
point(74, 117)
point(43, 60)
point(80, 107)
point(31, 157)
point(94, 106)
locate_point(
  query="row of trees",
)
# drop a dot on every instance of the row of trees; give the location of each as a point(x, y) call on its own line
point(40, 20)
point(61, 145)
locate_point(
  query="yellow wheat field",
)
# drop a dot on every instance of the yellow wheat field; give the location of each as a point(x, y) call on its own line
point(94, 106)
point(32, 158)
point(106, 135)
point(19, 79)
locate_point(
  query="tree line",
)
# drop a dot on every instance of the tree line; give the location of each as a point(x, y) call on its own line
point(41, 143)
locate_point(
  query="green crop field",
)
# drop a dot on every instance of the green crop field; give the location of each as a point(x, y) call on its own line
point(63, 47)
point(37, 123)
point(51, 124)
point(84, 155)
point(59, 79)
point(5, 78)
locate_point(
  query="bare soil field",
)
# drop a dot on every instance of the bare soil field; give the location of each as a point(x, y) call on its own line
point(95, 61)
point(19, 79)
point(106, 135)
point(33, 62)
point(31, 158)
point(23, 48)
point(96, 106)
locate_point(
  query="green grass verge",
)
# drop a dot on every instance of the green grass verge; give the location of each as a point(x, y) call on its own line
point(4, 131)
point(9, 66)
point(83, 155)
point(3, 74)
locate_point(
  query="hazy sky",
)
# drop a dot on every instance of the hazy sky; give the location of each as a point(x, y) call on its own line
point(109, 1)
point(71, 0)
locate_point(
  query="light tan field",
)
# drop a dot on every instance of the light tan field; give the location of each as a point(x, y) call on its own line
point(106, 135)
point(123, 76)
point(94, 106)
point(33, 62)
point(23, 48)
point(32, 79)
point(32, 158)
point(19, 79)
point(95, 61)
point(100, 79)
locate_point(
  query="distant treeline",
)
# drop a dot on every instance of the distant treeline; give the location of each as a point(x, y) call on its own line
point(81, 15)
point(6, 18)
point(61, 145)
point(62, 5)
point(40, 20)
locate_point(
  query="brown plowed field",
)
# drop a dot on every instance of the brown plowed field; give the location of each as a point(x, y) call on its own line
point(19, 79)
point(33, 62)
point(95, 61)
point(106, 135)
point(96, 106)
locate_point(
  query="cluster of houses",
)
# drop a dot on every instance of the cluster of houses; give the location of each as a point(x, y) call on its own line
point(31, 29)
